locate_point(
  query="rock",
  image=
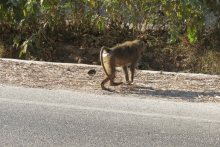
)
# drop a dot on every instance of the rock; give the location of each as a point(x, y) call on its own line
point(92, 72)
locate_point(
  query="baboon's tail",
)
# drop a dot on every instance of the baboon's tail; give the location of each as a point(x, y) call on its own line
point(101, 59)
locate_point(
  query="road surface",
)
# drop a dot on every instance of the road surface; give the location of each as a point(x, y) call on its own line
point(38, 117)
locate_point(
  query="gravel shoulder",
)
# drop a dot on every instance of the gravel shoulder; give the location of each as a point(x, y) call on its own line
point(74, 77)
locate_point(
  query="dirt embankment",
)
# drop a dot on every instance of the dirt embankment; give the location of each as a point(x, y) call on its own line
point(76, 77)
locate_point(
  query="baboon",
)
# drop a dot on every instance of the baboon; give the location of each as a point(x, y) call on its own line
point(120, 56)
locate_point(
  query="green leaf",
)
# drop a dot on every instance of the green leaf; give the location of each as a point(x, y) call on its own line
point(128, 3)
point(99, 25)
point(15, 4)
point(21, 52)
point(109, 9)
point(17, 40)
point(192, 31)
point(35, 8)
point(168, 7)
point(92, 4)
point(134, 20)
point(19, 15)
point(103, 25)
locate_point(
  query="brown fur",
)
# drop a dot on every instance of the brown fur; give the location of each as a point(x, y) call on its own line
point(120, 56)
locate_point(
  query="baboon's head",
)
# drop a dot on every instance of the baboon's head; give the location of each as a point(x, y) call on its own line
point(141, 46)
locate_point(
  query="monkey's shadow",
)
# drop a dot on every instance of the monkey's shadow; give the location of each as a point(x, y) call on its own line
point(168, 94)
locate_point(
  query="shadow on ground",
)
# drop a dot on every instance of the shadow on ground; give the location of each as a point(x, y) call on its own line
point(143, 92)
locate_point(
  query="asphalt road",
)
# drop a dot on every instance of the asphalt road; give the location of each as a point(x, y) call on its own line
point(37, 117)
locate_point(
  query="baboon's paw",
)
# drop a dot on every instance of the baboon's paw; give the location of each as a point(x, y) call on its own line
point(103, 88)
point(128, 83)
point(106, 89)
point(115, 84)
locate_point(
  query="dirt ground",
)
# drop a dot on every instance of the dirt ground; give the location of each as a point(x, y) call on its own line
point(75, 77)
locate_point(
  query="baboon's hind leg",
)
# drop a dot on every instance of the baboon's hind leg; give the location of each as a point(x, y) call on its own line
point(112, 83)
point(105, 80)
point(125, 71)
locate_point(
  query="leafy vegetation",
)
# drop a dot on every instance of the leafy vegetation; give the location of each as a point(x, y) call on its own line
point(174, 30)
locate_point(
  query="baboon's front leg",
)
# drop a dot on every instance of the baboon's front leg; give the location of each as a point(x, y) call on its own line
point(125, 71)
point(132, 69)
